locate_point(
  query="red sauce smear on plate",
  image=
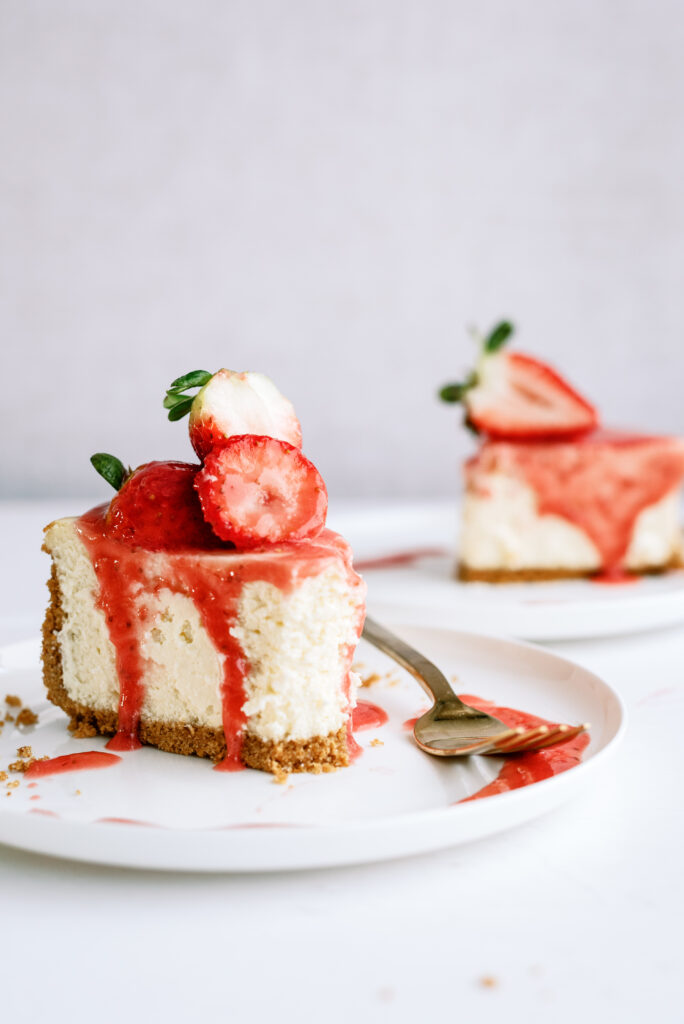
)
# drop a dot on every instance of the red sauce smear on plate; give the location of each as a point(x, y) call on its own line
point(600, 483)
point(399, 559)
point(520, 770)
point(131, 579)
point(124, 821)
point(85, 760)
point(368, 716)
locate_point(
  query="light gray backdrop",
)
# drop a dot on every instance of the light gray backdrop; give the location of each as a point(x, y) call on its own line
point(330, 192)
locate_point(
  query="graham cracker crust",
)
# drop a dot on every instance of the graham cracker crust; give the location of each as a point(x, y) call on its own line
point(318, 754)
point(470, 575)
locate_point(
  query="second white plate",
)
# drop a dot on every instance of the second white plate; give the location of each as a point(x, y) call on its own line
point(426, 590)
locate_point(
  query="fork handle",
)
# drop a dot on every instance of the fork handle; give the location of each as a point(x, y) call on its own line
point(434, 682)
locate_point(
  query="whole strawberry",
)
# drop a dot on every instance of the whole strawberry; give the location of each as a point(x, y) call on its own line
point(230, 404)
point(156, 506)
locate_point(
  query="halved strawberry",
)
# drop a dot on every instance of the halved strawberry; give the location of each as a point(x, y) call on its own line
point(257, 490)
point(157, 508)
point(515, 396)
point(230, 404)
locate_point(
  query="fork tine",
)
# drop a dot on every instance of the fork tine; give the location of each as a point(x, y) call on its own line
point(539, 738)
point(528, 738)
point(563, 733)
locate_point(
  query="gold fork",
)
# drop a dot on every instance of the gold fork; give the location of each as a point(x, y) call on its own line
point(451, 728)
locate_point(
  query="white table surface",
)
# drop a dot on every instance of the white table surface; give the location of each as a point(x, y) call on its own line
point(574, 917)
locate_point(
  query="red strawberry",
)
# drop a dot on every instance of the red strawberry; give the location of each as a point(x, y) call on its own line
point(157, 508)
point(514, 396)
point(257, 490)
point(230, 404)
point(520, 397)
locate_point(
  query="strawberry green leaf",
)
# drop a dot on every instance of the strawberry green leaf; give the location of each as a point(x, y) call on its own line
point(456, 392)
point(110, 469)
point(179, 403)
point(173, 398)
point(194, 379)
point(451, 392)
point(180, 409)
point(498, 336)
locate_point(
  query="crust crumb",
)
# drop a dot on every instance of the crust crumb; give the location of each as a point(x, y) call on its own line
point(13, 700)
point(3, 776)
point(22, 766)
point(374, 677)
point(488, 981)
point(24, 752)
point(377, 743)
point(388, 678)
point(26, 717)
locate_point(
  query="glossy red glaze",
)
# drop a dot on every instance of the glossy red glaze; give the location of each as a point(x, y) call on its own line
point(130, 580)
point(368, 716)
point(600, 483)
point(81, 761)
point(399, 559)
point(522, 769)
point(124, 821)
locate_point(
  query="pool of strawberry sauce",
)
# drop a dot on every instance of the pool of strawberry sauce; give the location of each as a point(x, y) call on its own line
point(520, 770)
point(214, 582)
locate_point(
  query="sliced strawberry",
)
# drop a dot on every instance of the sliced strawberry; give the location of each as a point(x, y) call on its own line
point(257, 490)
point(230, 404)
point(158, 509)
point(518, 397)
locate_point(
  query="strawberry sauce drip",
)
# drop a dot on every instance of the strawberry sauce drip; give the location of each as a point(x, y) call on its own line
point(399, 559)
point(615, 577)
point(84, 760)
point(131, 579)
point(368, 716)
point(600, 483)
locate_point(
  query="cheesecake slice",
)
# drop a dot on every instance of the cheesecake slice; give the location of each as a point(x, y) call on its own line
point(206, 609)
point(548, 493)
point(606, 504)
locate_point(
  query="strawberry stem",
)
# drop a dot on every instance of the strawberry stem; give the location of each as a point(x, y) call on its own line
point(496, 339)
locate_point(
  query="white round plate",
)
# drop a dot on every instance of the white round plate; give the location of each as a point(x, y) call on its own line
point(426, 591)
point(177, 813)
